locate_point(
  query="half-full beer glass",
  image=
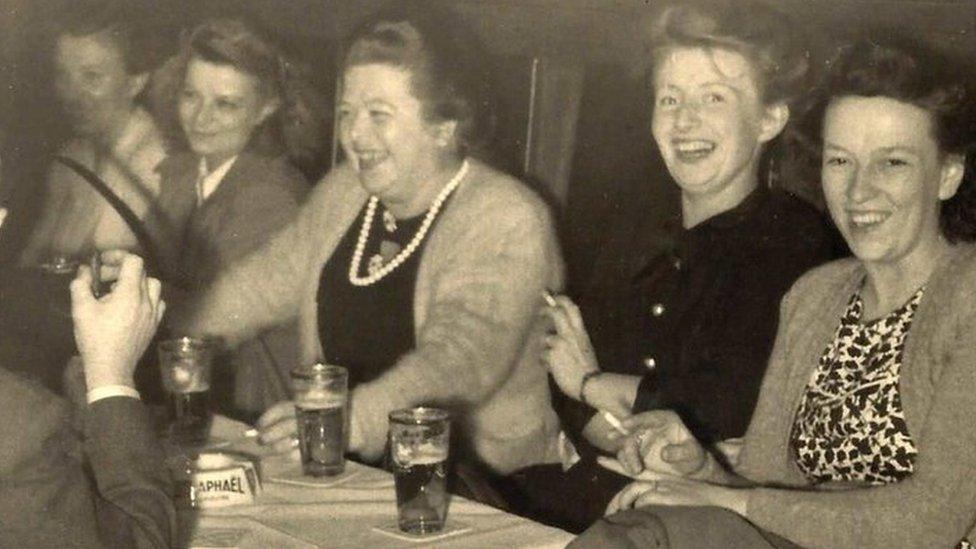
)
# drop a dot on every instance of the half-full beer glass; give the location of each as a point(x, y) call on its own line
point(419, 442)
point(185, 365)
point(320, 409)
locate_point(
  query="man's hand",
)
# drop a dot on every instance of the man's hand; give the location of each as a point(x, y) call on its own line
point(113, 331)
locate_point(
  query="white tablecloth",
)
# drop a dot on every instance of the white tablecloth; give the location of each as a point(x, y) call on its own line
point(345, 514)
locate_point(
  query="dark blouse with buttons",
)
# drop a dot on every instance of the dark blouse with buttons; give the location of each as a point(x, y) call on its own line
point(694, 312)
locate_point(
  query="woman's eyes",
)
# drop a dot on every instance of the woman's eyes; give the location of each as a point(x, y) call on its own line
point(667, 101)
point(714, 98)
point(835, 161)
point(379, 116)
point(227, 104)
point(895, 163)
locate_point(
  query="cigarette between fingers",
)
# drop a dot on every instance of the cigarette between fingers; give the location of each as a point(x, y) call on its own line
point(615, 423)
point(550, 300)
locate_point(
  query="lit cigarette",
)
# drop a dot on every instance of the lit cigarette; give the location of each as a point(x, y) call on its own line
point(551, 301)
point(251, 433)
point(615, 423)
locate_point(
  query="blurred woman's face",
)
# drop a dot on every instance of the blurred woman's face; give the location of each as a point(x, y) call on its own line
point(384, 132)
point(884, 177)
point(709, 119)
point(93, 84)
point(219, 109)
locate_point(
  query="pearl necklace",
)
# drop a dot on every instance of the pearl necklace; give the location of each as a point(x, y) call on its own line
point(357, 255)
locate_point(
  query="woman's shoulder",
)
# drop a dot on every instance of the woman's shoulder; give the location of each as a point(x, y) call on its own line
point(828, 278)
point(954, 282)
point(272, 171)
point(494, 194)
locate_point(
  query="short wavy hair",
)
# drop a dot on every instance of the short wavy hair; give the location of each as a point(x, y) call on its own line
point(909, 71)
point(446, 62)
point(764, 35)
point(250, 49)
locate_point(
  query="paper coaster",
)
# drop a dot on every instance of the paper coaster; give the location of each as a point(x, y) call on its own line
point(211, 538)
point(452, 528)
point(293, 475)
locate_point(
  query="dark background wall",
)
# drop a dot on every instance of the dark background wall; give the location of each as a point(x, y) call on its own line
point(590, 149)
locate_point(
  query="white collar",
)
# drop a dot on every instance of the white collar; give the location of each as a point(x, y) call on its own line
point(207, 181)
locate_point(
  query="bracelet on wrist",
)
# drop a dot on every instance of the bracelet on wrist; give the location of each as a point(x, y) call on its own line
point(586, 379)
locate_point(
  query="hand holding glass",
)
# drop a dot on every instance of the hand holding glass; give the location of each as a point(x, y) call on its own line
point(321, 392)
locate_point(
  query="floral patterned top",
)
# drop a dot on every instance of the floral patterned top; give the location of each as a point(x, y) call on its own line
point(850, 426)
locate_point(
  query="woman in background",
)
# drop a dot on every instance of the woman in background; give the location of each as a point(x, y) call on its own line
point(690, 326)
point(863, 434)
point(230, 90)
point(104, 55)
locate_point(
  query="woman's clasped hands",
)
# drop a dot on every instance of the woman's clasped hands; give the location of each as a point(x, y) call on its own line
point(659, 442)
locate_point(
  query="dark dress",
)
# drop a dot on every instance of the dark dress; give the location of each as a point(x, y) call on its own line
point(694, 312)
point(367, 328)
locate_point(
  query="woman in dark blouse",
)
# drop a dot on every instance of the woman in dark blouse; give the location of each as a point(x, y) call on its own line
point(688, 324)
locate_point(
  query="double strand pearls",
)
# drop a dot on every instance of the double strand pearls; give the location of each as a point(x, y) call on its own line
point(357, 255)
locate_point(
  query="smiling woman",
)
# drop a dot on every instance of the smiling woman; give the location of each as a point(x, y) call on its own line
point(103, 55)
point(689, 325)
point(228, 93)
point(220, 107)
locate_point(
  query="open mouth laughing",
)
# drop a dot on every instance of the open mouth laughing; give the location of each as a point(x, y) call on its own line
point(692, 150)
point(866, 220)
point(367, 160)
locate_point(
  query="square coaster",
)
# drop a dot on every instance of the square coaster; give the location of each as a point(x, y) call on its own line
point(452, 528)
point(212, 538)
point(292, 474)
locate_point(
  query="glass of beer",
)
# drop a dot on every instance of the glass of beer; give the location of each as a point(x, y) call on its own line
point(185, 364)
point(320, 409)
point(419, 442)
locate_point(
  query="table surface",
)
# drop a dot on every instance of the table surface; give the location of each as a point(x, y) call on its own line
point(345, 513)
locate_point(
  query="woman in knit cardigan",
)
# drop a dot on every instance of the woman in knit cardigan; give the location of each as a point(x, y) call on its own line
point(414, 266)
point(863, 435)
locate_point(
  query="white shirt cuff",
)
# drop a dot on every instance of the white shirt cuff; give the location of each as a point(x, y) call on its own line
point(106, 391)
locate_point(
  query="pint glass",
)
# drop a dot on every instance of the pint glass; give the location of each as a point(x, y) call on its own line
point(419, 441)
point(185, 366)
point(320, 409)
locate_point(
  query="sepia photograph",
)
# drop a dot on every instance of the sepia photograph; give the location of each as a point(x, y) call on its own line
point(676, 274)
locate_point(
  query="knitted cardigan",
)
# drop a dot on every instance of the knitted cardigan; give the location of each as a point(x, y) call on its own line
point(936, 506)
point(478, 291)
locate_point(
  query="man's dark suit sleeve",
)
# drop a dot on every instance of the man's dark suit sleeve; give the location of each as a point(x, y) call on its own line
point(136, 508)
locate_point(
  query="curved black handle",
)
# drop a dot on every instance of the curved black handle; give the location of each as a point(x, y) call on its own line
point(149, 248)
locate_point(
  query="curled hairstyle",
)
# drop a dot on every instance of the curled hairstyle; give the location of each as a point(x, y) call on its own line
point(766, 37)
point(910, 72)
point(234, 43)
point(447, 68)
point(122, 22)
